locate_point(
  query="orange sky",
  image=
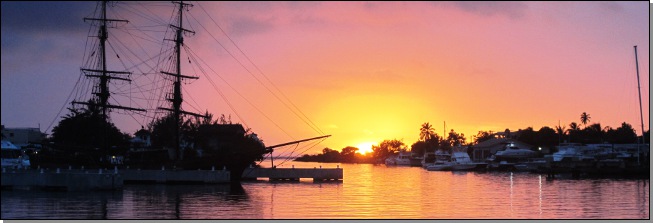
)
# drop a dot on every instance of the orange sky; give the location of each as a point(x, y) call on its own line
point(369, 71)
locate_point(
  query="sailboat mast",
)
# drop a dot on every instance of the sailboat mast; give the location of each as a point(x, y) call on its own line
point(641, 113)
point(639, 91)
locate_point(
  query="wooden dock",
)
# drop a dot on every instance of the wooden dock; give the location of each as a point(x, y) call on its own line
point(294, 174)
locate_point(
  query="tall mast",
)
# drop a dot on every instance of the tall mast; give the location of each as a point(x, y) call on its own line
point(104, 75)
point(641, 113)
point(102, 91)
point(176, 98)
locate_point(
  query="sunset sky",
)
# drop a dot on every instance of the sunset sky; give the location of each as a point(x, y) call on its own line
point(359, 71)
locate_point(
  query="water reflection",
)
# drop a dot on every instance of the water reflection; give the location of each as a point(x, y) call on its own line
point(511, 183)
point(368, 191)
point(52, 205)
point(540, 193)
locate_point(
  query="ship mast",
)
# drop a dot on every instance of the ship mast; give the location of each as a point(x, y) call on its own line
point(104, 75)
point(176, 98)
point(102, 91)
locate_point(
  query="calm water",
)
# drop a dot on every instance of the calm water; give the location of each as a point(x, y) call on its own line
point(367, 191)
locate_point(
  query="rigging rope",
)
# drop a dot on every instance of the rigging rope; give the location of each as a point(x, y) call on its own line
point(307, 121)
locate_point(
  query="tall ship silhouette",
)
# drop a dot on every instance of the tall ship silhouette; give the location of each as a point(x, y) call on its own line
point(170, 136)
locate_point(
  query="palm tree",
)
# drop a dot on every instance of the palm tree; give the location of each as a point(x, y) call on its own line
point(585, 118)
point(573, 130)
point(573, 126)
point(561, 130)
point(426, 132)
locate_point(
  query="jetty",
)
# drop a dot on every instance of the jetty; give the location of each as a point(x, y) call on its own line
point(61, 180)
point(113, 179)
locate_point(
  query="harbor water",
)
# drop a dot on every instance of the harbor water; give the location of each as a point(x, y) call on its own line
point(366, 192)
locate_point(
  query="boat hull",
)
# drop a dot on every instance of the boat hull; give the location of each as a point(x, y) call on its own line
point(439, 167)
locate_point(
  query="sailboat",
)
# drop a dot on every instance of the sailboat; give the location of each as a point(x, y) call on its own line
point(180, 139)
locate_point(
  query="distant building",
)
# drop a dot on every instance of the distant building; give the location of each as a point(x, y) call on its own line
point(23, 137)
point(487, 148)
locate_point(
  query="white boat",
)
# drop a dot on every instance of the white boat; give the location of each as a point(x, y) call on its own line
point(390, 161)
point(403, 159)
point(514, 152)
point(574, 152)
point(12, 157)
point(438, 156)
point(461, 161)
point(457, 161)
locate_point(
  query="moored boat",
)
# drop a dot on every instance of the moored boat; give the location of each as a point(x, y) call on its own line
point(12, 156)
point(439, 166)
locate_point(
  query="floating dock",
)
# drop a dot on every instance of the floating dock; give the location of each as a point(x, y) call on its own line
point(61, 180)
point(293, 174)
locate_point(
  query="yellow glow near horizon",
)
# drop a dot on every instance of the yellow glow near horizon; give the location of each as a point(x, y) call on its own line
point(365, 147)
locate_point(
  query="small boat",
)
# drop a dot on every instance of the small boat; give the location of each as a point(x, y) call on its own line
point(514, 152)
point(390, 161)
point(403, 159)
point(461, 161)
point(438, 156)
point(12, 156)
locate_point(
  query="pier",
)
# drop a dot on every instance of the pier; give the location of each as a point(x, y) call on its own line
point(61, 180)
point(294, 174)
point(113, 179)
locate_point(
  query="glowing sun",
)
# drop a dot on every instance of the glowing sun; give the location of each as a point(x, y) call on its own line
point(365, 147)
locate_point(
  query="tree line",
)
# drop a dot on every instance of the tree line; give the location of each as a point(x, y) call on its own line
point(429, 141)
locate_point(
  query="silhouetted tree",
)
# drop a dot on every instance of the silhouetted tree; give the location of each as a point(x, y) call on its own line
point(434, 143)
point(330, 155)
point(483, 135)
point(86, 137)
point(426, 132)
point(573, 131)
point(647, 136)
point(562, 132)
point(528, 135)
point(546, 136)
point(593, 133)
point(456, 138)
point(387, 148)
point(419, 148)
point(623, 134)
point(585, 118)
point(348, 154)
